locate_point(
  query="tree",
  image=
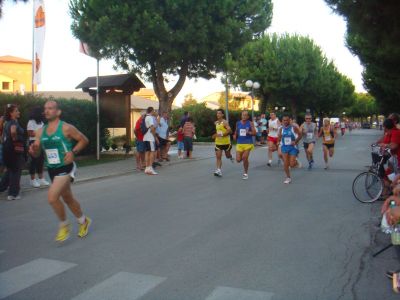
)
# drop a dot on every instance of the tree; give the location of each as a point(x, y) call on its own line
point(364, 106)
point(189, 100)
point(2, 2)
point(373, 34)
point(330, 91)
point(159, 39)
point(293, 72)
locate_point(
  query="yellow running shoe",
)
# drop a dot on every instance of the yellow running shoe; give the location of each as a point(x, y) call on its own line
point(84, 228)
point(63, 233)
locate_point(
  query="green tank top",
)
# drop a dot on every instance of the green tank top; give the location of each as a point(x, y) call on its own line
point(55, 146)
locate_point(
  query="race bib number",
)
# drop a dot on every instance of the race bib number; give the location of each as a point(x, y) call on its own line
point(219, 133)
point(53, 157)
point(328, 138)
point(243, 132)
point(287, 141)
point(310, 135)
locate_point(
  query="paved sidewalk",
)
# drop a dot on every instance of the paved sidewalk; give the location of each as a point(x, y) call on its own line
point(126, 166)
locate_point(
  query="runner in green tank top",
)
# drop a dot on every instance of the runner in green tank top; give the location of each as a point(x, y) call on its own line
point(55, 146)
point(56, 141)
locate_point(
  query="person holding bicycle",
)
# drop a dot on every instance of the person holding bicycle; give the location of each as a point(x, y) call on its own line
point(391, 140)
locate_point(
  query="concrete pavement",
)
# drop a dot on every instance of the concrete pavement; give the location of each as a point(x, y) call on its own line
point(188, 235)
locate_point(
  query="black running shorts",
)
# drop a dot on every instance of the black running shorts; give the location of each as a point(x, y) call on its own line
point(226, 147)
point(62, 171)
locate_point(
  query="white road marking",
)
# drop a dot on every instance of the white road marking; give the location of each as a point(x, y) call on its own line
point(122, 286)
point(228, 293)
point(24, 276)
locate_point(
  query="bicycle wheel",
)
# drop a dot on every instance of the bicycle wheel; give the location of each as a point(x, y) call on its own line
point(367, 187)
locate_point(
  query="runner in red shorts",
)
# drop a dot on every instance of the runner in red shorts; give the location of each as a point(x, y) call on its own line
point(273, 128)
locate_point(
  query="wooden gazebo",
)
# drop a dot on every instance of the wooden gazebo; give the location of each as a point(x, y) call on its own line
point(114, 98)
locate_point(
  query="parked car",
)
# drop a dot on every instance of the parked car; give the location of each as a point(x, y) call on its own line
point(366, 126)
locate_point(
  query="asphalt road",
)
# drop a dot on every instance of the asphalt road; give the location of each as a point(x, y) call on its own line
point(186, 234)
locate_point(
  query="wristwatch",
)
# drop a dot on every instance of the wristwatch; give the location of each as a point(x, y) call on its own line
point(75, 152)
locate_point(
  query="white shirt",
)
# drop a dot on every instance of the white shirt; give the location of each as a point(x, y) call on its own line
point(149, 137)
point(32, 125)
point(273, 128)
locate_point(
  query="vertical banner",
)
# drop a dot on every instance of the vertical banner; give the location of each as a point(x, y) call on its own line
point(38, 39)
point(84, 48)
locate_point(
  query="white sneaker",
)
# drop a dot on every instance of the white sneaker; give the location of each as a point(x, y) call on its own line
point(35, 183)
point(12, 198)
point(287, 180)
point(151, 171)
point(245, 176)
point(44, 182)
point(218, 173)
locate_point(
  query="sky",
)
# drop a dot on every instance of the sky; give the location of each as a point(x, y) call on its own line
point(64, 67)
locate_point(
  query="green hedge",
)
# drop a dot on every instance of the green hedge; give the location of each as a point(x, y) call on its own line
point(80, 113)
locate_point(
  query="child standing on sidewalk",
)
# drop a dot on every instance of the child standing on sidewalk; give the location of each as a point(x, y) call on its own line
point(180, 143)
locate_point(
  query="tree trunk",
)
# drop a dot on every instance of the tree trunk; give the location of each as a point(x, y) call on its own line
point(293, 109)
point(264, 102)
point(164, 104)
point(166, 98)
point(321, 120)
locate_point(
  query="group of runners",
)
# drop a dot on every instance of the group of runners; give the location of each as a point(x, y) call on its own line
point(60, 142)
point(283, 137)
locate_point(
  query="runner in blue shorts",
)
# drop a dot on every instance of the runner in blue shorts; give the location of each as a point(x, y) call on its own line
point(289, 137)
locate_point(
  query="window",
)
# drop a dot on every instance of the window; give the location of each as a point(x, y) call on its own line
point(5, 86)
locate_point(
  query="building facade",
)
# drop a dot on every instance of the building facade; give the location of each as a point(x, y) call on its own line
point(15, 75)
point(236, 101)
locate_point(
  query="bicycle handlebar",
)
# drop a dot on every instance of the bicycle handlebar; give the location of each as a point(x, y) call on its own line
point(386, 149)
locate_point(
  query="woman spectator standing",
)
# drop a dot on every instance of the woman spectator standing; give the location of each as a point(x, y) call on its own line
point(13, 153)
point(37, 163)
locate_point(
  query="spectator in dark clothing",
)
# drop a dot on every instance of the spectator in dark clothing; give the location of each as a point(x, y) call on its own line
point(184, 119)
point(13, 153)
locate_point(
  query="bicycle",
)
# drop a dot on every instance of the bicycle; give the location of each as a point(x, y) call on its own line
point(368, 186)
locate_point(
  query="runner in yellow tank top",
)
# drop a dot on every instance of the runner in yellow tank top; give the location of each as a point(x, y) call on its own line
point(222, 141)
point(328, 135)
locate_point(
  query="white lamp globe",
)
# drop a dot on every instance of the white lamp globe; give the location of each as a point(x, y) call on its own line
point(256, 85)
point(249, 83)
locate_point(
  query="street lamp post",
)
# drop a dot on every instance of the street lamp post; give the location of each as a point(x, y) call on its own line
point(280, 110)
point(252, 85)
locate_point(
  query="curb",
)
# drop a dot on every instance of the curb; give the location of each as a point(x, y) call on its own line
point(117, 174)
